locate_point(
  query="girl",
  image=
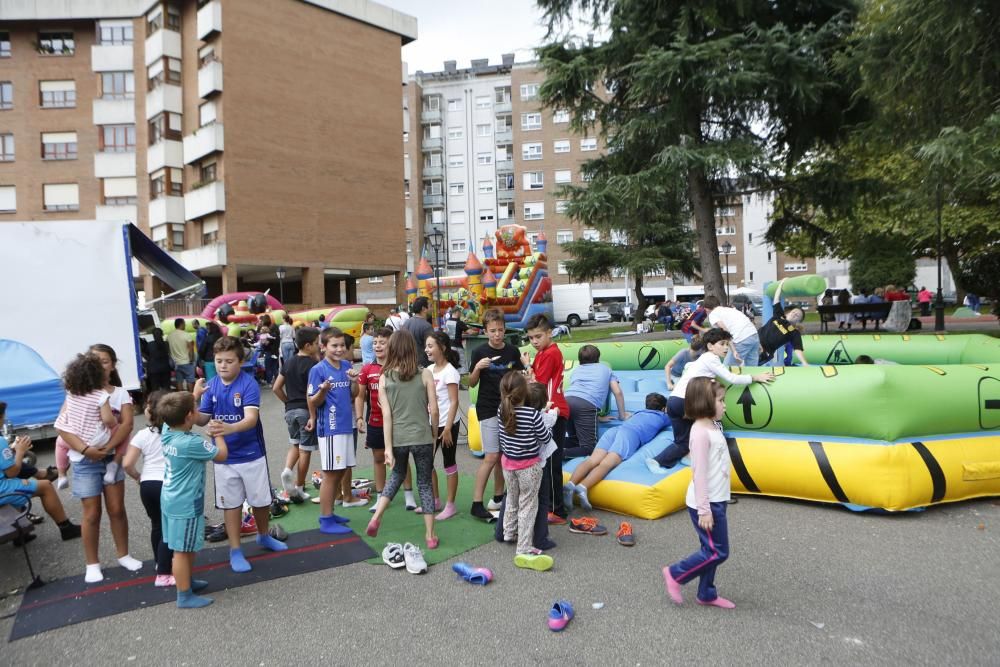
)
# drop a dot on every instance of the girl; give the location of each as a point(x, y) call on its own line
point(523, 437)
point(406, 395)
point(147, 444)
point(444, 362)
point(121, 407)
point(707, 495)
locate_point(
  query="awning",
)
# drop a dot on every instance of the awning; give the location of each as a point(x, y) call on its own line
point(162, 265)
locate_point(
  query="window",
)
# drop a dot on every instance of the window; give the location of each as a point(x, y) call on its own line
point(727, 230)
point(207, 113)
point(591, 235)
point(458, 245)
point(455, 133)
point(506, 211)
point(486, 215)
point(585, 176)
point(6, 95)
point(114, 33)
point(561, 205)
point(432, 188)
point(57, 94)
point(531, 121)
point(432, 132)
point(173, 18)
point(56, 43)
point(206, 174)
point(560, 116)
point(6, 147)
point(563, 175)
point(206, 55)
point(564, 236)
point(501, 95)
point(456, 217)
point(117, 138)
point(61, 196)
point(165, 126)
point(177, 237)
point(456, 160)
point(732, 250)
point(532, 238)
point(409, 247)
point(485, 187)
point(529, 91)
point(619, 238)
point(406, 192)
point(531, 151)
point(768, 257)
point(751, 276)
point(798, 267)
point(117, 85)
point(534, 210)
point(483, 130)
point(119, 192)
point(725, 212)
point(8, 199)
point(560, 146)
point(589, 144)
point(455, 105)
point(504, 123)
point(484, 158)
point(154, 23)
point(561, 268)
point(750, 237)
point(59, 145)
point(533, 180)
point(4, 46)
point(166, 181)
point(484, 102)
point(434, 218)
point(456, 188)
point(432, 103)
point(375, 280)
point(164, 70)
point(505, 182)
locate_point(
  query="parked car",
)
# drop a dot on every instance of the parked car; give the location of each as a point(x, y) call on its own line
point(601, 314)
point(615, 311)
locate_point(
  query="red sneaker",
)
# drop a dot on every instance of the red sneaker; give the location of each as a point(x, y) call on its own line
point(556, 520)
point(248, 526)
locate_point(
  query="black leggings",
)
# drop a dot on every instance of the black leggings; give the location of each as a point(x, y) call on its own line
point(149, 493)
point(448, 453)
point(423, 460)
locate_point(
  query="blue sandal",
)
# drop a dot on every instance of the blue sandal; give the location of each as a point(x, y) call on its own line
point(473, 575)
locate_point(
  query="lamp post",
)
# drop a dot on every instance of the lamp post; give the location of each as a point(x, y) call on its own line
point(435, 240)
point(280, 273)
point(726, 247)
point(939, 298)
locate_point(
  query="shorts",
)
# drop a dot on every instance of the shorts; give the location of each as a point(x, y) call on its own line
point(298, 436)
point(236, 482)
point(489, 432)
point(336, 452)
point(621, 441)
point(448, 453)
point(375, 438)
point(17, 491)
point(184, 372)
point(183, 534)
point(88, 477)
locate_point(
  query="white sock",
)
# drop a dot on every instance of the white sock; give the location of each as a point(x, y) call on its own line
point(110, 473)
point(408, 496)
point(93, 574)
point(300, 489)
point(129, 563)
point(62, 483)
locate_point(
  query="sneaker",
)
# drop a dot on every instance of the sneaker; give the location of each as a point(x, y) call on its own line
point(360, 502)
point(248, 525)
point(534, 561)
point(560, 615)
point(587, 526)
point(392, 555)
point(569, 490)
point(493, 506)
point(414, 558)
point(625, 536)
point(315, 501)
point(556, 520)
point(299, 497)
point(317, 478)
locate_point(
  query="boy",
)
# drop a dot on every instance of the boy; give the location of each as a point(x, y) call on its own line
point(302, 441)
point(182, 500)
point(368, 395)
point(232, 401)
point(745, 349)
point(367, 343)
point(346, 495)
point(617, 445)
point(547, 369)
point(588, 389)
point(779, 331)
point(488, 364)
point(331, 391)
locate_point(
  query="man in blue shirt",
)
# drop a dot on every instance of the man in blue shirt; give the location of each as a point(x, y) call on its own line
point(587, 392)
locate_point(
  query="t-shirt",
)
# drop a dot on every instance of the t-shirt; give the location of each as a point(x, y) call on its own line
point(531, 436)
point(368, 377)
point(420, 329)
point(149, 442)
point(697, 317)
point(446, 376)
point(183, 494)
point(456, 329)
point(337, 415)
point(227, 403)
point(735, 322)
point(488, 398)
point(199, 336)
point(7, 456)
point(394, 322)
point(707, 365)
point(118, 398)
point(296, 374)
point(778, 331)
point(367, 349)
point(548, 368)
point(178, 341)
point(591, 382)
point(646, 424)
point(286, 332)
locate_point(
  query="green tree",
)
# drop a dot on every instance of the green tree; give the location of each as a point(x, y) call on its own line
point(882, 262)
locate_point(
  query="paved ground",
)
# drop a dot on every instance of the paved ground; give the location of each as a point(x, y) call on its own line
point(813, 585)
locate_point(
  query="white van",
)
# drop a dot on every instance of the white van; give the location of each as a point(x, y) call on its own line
point(573, 304)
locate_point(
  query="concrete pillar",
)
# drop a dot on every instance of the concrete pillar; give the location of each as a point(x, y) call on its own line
point(313, 288)
point(400, 280)
point(229, 284)
point(352, 290)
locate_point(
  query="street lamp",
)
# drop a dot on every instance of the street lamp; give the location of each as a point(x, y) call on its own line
point(726, 247)
point(436, 240)
point(280, 272)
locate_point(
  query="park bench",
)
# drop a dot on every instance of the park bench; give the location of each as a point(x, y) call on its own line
point(14, 524)
point(871, 311)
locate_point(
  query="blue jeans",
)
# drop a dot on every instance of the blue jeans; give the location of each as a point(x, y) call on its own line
point(88, 477)
point(287, 352)
point(681, 429)
point(704, 562)
point(748, 349)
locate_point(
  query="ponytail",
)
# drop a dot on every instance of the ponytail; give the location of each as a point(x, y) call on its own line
point(513, 394)
point(441, 339)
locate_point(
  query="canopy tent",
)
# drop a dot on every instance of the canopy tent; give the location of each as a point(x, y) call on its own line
point(31, 389)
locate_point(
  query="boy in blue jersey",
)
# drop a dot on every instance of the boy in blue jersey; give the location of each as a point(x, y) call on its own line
point(332, 388)
point(231, 400)
point(617, 445)
point(182, 500)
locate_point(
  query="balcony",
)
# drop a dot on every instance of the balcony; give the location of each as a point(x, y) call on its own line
point(501, 107)
point(433, 144)
point(504, 196)
point(164, 154)
point(433, 201)
point(505, 166)
point(165, 97)
point(503, 136)
point(114, 112)
point(162, 43)
point(210, 79)
point(117, 213)
point(163, 210)
point(112, 58)
point(433, 172)
point(203, 257)
point(114, 165)
point(205, 141)
point(205, 200)
point(210, 19)
point(430, 116)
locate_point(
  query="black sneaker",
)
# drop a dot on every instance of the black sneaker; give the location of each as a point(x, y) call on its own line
point(480, 512)
point(70, 532)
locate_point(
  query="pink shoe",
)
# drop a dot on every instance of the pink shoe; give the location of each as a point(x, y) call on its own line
point(673, 587)
point(372, 529)
point(720, 602)
point(164, 580)
point(448, 512)
point(433, 542)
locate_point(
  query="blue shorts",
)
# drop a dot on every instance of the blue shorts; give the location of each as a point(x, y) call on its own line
point(298, 436)
point(88, 477)
point(187, 534)
point(17, 491)
point(184, 372)
point(621, 441)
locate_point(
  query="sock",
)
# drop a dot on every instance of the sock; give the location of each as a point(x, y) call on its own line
point(269, 542)
point(130, 563)
point(238, 561)
point(198, 584)
point(188, 600)
point(408, 496)
point(300, 489)
point(93, 574)
point(497, 499)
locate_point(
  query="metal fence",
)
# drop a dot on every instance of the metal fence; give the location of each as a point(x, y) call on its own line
point(179, 308)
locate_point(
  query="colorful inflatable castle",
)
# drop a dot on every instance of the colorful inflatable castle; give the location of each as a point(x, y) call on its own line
point(516, 280)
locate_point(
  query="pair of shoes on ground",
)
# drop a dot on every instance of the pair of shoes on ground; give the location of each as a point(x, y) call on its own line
point(407, 555)
point(588, 525)
point(674, 592)
point(580, 491)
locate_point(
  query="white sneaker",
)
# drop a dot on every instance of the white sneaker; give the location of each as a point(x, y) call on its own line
point(393, 556)
point(288, 480)
point(360, 502)
point(493, 506)
point(414, 559)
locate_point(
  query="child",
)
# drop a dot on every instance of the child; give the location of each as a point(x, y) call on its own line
point(444, 367)
point(290, 388)
point(547, 369)
point(406, 395)
point(367, 344)
point(231, 401)
point(693, 325)
point(523, 435)
point(331, 392)
point(345, 494)
point(587, 392)
point(707, 365)
point(617, 444)
point(121, 407)
point(675, 367)
point(368, 395)
point(183, 497)
point(745, 347)
point(148, 444)
point(487, 366)
point(707, 495)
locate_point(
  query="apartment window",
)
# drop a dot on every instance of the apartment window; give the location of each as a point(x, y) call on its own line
point(432, 160)
point(589, 144)
point(209, 230)
point(725, 212)
point(6, 147)
point(409, 247)
point(732, 250)
point(486, 215)
point(796, 268)
point(455, 105)
point(531, 121)
point(455, 133)
point(501, 95)
point(154, 23)
point(586, 177)
point(432, 188)
point(532, 238)
point(750, 237)
point(484, 102)
point(114, 33)
point(619, 238)
point(561, 205)
point(8, 199)
point(119, 192)
point(166, 181)
point(563, 175)
point(406, 137)
point(406, 192)
point(533, 180)
point(177, 237)
point(164, 70)
point(6, 95)
point(117, 138)
point(57, 94)
point(206, 174)
point(484, 158)
point(769, 258)
point(591, 235)
point(727, 230)
point(564, 236)
point(375, 280)
point(531, 151)
point(458, 245)
point(173, 18)
point(751, 276)
point(529, 91)
point(432, 132)
point(485, 187)
point(456, 188)
point(165, 126)
point(534, 210)
point(434, 218)
point(561, 268)
point(456, 160)
point(61, 196)
point(55, 43)
point(432, 103)
point(483, 130)
point(505, 211)
point(117, 85)
point(560, 146)
point(59, 145)
point(206, 55)
point(207, 113)
point(505, 182)
point(4, 46)
point(456, 217)
point(504, 123)
point(560, 116)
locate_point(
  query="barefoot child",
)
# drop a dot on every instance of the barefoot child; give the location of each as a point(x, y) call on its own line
point(290, 388)
point(707, 495)
point(444, 362)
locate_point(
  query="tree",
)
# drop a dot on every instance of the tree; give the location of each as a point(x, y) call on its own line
point(708, 91)
point(882, 262)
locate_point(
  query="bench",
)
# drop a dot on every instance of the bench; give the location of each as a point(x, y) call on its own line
point(868, 311)
point(14, 524)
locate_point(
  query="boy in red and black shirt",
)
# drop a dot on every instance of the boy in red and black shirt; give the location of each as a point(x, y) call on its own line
point(368, 395)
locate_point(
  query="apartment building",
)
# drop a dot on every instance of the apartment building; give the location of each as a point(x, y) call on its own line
point(249, 139)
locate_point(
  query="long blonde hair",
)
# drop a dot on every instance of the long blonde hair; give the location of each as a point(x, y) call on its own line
point(513, 394)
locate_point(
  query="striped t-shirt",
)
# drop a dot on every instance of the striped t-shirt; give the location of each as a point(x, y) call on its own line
point(531, 436)
point(81, 416)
